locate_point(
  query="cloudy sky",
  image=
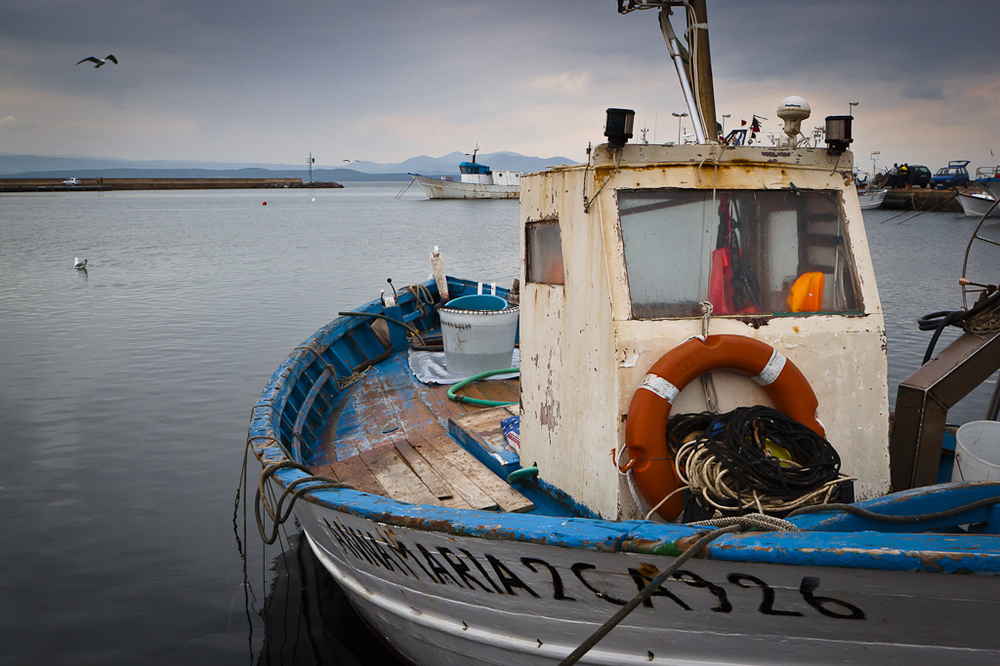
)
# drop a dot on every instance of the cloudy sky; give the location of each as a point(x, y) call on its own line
point(269, 81)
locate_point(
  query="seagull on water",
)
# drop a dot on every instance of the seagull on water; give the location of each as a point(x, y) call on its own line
point(80, 263)
point(99, 61)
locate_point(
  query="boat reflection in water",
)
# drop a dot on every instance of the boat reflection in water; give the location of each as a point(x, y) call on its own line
point(306, 617)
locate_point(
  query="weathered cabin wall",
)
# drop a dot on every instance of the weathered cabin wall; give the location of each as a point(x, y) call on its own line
point(568, 353)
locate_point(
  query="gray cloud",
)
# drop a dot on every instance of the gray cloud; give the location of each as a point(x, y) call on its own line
point(266, 81)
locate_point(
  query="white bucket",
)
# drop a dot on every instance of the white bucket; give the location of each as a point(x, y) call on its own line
point(478, 334)
point(977, 452)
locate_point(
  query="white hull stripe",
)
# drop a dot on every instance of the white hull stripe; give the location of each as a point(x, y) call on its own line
point(660, 387)
point(771, 370)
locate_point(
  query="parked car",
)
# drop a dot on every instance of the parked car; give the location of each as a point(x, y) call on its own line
point(913, 175)
point(916, 176)
point(954, 175)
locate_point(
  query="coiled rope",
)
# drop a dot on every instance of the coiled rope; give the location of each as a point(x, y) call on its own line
point(753, 459)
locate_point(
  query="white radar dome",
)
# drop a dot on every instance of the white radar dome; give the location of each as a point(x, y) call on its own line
point(793, 110)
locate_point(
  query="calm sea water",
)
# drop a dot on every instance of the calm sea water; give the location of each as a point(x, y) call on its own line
point(125, 397)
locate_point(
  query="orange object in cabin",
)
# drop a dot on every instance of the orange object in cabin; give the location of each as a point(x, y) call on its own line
point(806, 295)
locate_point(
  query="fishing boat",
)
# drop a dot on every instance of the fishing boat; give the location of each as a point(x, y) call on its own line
point(871, 198)
point(988, 180)
point(477, 181)
point(680, 451)
point(978, 201)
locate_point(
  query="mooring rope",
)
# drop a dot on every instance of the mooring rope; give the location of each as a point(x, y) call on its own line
point(758, 522)
point(279, 513)
point(646, 592)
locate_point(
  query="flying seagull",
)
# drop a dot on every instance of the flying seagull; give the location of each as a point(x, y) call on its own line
point(80, 263)
point(99, 61)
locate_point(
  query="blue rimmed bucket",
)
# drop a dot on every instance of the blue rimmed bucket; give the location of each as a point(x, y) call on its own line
point(478, 332)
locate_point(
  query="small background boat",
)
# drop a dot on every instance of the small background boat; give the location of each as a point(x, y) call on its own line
point(978, 201)
point(478, 181)
point(871, 198)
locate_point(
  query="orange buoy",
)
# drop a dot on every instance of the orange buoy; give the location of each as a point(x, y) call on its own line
point(646, 424)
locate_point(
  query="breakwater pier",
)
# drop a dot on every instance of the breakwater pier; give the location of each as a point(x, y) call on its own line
point(927, 200)
point(113, 184)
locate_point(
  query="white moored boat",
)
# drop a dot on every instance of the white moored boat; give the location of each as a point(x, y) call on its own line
point(977, 202)
point(871, 198)
point(606, 508)
point(477, 181)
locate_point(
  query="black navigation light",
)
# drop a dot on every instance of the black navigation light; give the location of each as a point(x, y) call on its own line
point(838, 133)
point(618, 128)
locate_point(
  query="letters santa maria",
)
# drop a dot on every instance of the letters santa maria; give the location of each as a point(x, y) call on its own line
point(667, 441)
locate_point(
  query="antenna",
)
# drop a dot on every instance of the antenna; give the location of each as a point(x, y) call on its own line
point(694, 64)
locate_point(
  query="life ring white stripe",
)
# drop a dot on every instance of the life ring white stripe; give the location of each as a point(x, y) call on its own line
point(660, 387)
point(772, 369)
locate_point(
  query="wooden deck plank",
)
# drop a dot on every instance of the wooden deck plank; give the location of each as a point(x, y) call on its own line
point(506, 497)
point(436, 399)
point(456, 502)
point(485, 423)
point(423, 469)
point(386, 465)
point(389, 399)
point(354, 472)
point(503, 390)
point(392, 441)
point(484, 427)
point(368, 414)
point(455, 474)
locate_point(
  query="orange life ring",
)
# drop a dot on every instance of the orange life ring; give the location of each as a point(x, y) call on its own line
point(646, 423)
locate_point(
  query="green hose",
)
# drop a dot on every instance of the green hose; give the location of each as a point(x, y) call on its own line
point(474, 378)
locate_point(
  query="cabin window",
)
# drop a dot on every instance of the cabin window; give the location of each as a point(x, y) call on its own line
point(746, 252)
point(543, 245)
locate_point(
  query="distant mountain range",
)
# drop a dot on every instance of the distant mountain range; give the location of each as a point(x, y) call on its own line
point(38, 166)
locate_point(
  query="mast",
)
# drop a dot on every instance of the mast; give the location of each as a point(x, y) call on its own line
point(693, 64)
point(702, 66)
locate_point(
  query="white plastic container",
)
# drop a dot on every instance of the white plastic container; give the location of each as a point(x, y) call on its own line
point(977, 452)
point(478, 332)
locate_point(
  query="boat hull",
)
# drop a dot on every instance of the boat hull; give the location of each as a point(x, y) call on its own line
point(446, 598)
point(871, 199)
point(436, 188)
point(977, 206)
